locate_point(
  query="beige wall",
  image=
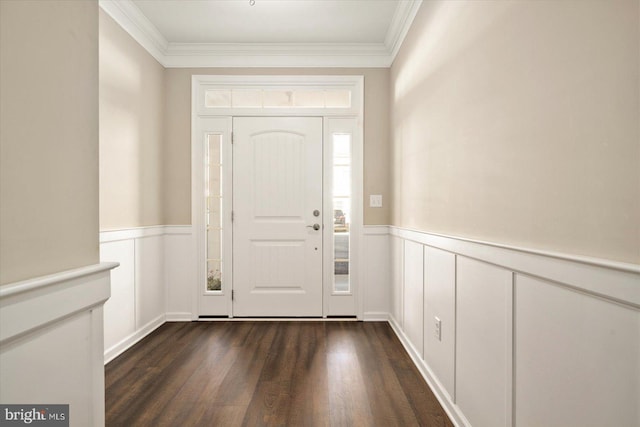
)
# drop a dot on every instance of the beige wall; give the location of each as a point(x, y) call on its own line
point(517, 123)
point(48, 137)
point(131, 115)
point(177, 163)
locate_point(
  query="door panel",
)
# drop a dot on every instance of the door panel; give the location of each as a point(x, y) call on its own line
point(277, 177)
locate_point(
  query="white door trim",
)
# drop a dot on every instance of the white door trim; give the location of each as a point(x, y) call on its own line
point(215, 302)
point(201, 114)
point(338, 303)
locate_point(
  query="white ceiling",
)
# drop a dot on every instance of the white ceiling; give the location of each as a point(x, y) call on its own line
point(287, 33)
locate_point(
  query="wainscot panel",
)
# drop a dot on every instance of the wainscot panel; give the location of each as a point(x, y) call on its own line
point(151, 285)
point(375, 272)
point(582, 350)
point(120, 309)
point(180, 273)
point(483, 352)
point(397, 281)
point(440, 307)
point(51, 342)
point(526, 337)
point(414, 294)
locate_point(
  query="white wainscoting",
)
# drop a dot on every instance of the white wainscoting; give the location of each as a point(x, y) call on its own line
point(151, 286)
point(180, 273)
point(155, 280)
point(51, 342)
point(527, 338)
point(375, 274)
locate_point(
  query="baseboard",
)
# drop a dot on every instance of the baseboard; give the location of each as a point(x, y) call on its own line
point(132, 339)
point(375, 316)
point(456, 417)
point(179, 317)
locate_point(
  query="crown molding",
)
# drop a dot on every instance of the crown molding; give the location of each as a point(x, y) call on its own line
point(400, 24)
point(134, 22)
point(184, 55)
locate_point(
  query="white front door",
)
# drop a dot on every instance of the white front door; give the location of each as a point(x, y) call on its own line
point(277, 200)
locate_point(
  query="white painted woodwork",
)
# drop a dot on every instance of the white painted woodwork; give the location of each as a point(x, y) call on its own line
point(119, 310)
point(397, 280)
point(454, 413)
point(51, 341)
point(150, 286)
point(336, 119)
point(482, 297)
point(582, 351)
point(414, 294)
point(179, 267)
point(201, 85)
point(440, 302)
point(609, 279)
point(376, 275)
point(187, 35)
point(576, 328)
point(341, 303)
point(206, 303)
point(150, 279)
point(277, 256)
point(489, 355)
point(180, 272)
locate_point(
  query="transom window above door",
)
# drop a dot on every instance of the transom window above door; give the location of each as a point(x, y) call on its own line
point(277, 98)
point(280, 96)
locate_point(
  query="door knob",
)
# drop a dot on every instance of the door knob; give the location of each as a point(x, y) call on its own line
point(314, 226)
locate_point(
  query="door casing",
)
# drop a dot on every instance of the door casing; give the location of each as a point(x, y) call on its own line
point(219, 120)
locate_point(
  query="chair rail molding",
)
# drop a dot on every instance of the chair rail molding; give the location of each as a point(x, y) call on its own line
point(609, 279)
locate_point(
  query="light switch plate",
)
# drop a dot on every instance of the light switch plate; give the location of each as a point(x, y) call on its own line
point(375, 200)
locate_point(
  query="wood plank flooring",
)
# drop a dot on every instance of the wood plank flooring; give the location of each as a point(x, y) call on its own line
point(269, 374)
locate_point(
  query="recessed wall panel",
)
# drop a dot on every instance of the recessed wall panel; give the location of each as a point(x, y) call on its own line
point(483, 341)
point(397, 267)
point(440, 302)
point(413, 294)
point(119, 309)
point(577, 358)
point(150, 280)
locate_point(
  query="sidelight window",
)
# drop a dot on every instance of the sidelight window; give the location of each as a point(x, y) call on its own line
point(341, 211)
point(213, 206)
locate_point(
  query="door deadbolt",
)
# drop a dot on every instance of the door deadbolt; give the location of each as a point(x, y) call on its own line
point(316, 213)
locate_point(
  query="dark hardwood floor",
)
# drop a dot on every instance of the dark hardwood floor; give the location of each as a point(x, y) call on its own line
point(269, 374)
